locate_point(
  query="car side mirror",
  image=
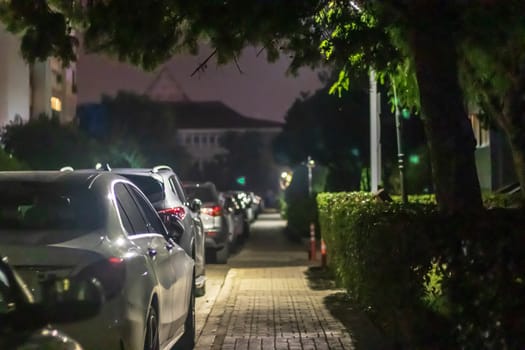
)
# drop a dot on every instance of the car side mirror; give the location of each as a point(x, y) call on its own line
point(63, 301)
point(175, 227)
point(196, 205)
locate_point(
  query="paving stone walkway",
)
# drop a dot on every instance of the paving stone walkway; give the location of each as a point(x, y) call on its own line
point(266, 303)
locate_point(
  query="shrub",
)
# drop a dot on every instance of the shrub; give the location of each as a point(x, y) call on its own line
point(300, 212)
point(427, 279)
point(8, 162)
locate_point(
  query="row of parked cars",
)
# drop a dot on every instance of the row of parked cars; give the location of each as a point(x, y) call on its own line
point(112, 257)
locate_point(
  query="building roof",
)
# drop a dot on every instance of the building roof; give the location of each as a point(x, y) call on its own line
point(165, 88)
point(215, 115)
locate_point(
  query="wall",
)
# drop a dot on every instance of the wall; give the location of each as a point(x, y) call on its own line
point(14, 80)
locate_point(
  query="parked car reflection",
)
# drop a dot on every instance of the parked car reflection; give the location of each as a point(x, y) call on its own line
point(24, 323)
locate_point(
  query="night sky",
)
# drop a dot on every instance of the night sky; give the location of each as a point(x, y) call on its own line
point(262, 91)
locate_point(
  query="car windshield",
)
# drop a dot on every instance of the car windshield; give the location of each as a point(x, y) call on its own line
point(205, 194)
point(48, 206)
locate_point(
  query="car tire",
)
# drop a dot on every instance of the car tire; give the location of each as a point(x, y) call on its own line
point(221, 255)
point(151, 340)
point(187, 341)
point(199, 292)
point(246, 230)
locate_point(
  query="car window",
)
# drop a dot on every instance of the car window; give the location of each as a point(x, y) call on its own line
point(153, 221)
point(205, 194)
point(124, 217)
point(64, 211)
point(130, 210)
point(151, 187)
point(178, 188)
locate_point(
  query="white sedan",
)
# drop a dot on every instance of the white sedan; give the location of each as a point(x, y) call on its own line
point(88, 224)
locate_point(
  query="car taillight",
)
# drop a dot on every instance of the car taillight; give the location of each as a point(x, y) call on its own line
point(179, 212)
point(216, 210)
point(111, 273)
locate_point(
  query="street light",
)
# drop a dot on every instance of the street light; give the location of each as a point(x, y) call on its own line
point(310, 164)
point(400, 155)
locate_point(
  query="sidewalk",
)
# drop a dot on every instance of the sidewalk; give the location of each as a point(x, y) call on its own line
point(266, 303)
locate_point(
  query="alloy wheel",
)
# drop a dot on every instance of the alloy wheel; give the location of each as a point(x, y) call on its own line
point(152, 331)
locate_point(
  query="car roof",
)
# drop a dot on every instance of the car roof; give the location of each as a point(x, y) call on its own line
point(198, 184)
point(73, 178)
point(154, 170)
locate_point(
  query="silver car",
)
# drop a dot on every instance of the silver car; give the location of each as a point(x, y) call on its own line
point(90, 224)
point(164, 190)
point(216, 220)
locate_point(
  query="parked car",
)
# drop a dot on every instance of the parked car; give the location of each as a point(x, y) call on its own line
point(257, 204)
point(244, 210)
point(99, 225)
point(164, 190)
point(25, 323)
point(235, 216)
point(218, 230)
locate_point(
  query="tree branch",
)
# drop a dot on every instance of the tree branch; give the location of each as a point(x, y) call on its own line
point(203, 64)
point(260, 51)
point(237, 64)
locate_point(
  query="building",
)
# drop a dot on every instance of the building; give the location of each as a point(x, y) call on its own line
point(202, 124)
point(28, 90)
point(493, 157)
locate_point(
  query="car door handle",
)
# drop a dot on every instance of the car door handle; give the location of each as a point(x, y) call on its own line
point(152, 252)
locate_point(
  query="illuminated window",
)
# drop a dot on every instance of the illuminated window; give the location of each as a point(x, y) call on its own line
point(56, 104)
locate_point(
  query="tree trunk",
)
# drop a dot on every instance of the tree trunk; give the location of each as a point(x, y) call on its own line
point(517, 145)
point(449, 133)
point(512, 121)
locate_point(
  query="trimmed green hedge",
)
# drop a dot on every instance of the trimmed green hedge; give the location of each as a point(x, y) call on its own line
point(429, 281)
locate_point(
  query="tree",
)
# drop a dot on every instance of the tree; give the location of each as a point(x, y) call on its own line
point(45, 144)
point(386, 35)
point(247, 156)
point(333, 131)
point(146, 128)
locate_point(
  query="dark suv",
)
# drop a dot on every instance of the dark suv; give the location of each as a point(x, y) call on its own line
point(218, 231)
point(164, 190)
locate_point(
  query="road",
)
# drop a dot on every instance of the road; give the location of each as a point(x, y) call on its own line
point(262, 300)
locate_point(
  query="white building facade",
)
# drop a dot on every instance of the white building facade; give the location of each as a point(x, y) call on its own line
point(27, 91)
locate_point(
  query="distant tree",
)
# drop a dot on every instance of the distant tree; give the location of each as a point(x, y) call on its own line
point(335, 132)
point(247, 156)
point(147, 128)
point(45, 144)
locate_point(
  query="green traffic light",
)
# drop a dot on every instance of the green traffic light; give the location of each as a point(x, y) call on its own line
point(405, 113)
point(414, 159)
point(241, 180)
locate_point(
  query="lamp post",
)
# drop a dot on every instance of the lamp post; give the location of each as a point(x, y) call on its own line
point(400, 154)
point(310, 164)
point(375, 135)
